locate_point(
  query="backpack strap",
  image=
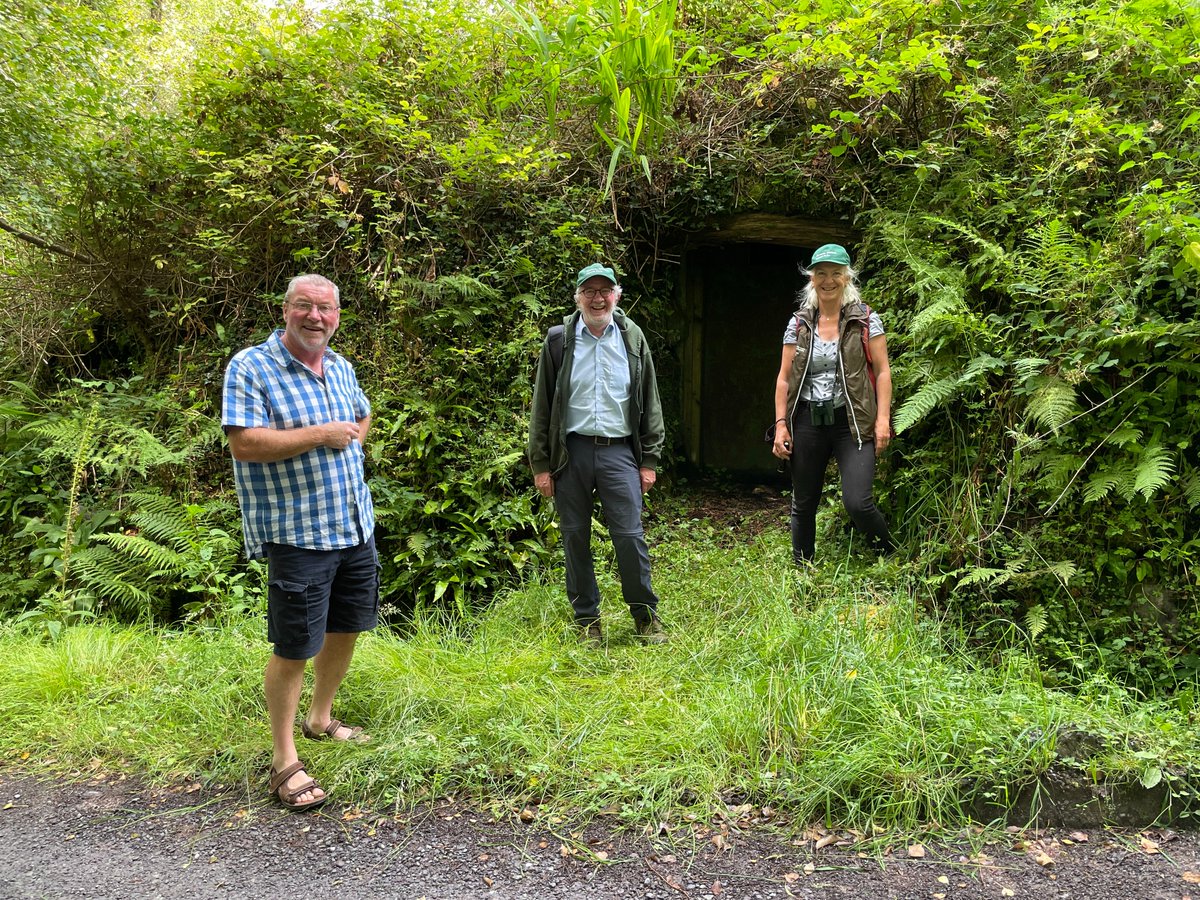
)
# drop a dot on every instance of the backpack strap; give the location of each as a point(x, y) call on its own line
point(555, 338)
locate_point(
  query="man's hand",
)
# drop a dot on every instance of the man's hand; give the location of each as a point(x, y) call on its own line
point(648, 477)
point(544, 483)
point(339, 435)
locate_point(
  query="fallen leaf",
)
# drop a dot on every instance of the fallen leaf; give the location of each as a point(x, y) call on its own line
point(1043, 859)
point(825, 841)
point(1191, 877)
point(1079, 837)
point(527, 814)
point(601, 855)
point(791, 877)
point(716, 888)
point(916, 851)
point(1148, 846)
point(488, 881)
point(1008, 892)
point(942, 879)
point(809, 868)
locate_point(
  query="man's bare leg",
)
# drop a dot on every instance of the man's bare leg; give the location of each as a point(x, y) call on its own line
point(281, 684)
point(329, 668)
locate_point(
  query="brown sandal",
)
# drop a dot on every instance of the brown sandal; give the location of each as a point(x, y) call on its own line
point(287, 798)
point(331, 730)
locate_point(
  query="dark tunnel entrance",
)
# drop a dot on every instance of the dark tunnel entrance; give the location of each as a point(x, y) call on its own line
point(739, 288)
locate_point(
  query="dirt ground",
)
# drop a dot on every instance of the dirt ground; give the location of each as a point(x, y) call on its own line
point(113, 838)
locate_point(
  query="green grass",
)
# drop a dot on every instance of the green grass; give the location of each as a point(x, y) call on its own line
point(825, 694)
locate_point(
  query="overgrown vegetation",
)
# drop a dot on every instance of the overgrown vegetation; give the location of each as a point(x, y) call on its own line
point(1023, 177)
point(823, 696)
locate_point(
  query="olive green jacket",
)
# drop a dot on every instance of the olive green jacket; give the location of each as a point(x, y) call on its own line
point(852, 367)
point(547, 447)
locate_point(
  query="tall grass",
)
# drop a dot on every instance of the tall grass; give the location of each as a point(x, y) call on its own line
point(825, 694)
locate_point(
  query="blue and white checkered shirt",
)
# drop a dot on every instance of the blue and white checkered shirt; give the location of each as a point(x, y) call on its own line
point(317, 500)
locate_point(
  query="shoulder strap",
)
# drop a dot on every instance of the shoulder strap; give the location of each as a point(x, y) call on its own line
point(866, 336)
point(555, 339)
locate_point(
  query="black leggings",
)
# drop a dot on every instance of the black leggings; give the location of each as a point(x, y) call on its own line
point(812, 445)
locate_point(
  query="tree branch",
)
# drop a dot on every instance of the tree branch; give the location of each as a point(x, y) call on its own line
point(45, 244)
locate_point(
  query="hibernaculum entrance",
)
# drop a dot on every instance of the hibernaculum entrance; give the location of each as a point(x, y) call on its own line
point(739, 285)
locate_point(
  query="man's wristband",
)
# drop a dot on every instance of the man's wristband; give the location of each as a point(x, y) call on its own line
point(777, 421)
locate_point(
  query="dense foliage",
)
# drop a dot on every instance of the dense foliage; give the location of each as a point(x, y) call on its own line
point(1024, 178)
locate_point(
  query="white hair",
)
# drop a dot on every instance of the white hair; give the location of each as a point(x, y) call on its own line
point(316, 281)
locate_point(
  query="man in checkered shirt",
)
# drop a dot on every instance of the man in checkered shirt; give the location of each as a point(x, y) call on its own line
point(296, 421)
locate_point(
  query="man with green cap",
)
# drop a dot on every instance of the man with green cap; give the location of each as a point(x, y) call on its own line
point(596, 430)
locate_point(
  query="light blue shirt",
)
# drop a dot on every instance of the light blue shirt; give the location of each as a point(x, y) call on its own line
point(598, 399)
point(317, 500)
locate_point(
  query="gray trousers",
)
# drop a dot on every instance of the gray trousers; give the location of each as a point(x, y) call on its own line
point(610, 473)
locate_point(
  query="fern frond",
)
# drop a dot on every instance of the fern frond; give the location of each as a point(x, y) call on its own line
point(1036, 621)
point(1153, 471)
point(934, 394)
point(1191, 490)
point(112, 577)
point(162, 560)
point(947, 313)
point(1180, 335)
point(1124, 436)
point(1057, 245)
point(167, 526)
point(924, 401)
point(1028, 367)
point(984, 575)
point(983, 364)
point(990, 249)
point(1064, 570)
point(1106, 480)
point(1053, 404)
point(1055, 468)
point(419, 542)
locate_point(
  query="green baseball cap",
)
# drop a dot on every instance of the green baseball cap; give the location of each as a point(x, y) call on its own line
point(595, 269)
point(830, 253)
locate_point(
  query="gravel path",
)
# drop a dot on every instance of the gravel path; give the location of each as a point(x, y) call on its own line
point(112, 838)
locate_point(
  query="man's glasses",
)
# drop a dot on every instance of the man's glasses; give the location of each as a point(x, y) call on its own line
point(593, 293)
point(304, 307)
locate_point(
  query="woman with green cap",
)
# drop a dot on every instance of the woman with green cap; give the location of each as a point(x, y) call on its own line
point(833, 398)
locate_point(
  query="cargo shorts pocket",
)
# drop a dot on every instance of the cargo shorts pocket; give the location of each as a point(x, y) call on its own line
point(288, 619)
